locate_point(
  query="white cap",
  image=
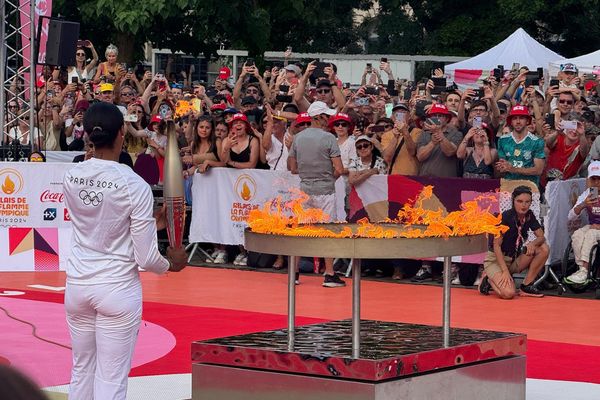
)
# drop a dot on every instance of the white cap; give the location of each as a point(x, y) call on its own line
point(318, 108)
point(363, 137)
point(594, 169)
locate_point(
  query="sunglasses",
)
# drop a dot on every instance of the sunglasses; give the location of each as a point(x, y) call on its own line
point(251, 91)
point(304, 124)
point(127, 94)
point(566, 102)
point(323, 91)
point(80, 54)
point(341, 123)
point(12, 106)
point(363, 146)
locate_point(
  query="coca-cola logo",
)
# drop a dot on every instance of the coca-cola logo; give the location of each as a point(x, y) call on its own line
point(51, 197)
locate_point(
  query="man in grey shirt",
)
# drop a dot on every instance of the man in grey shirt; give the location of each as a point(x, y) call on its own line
point(315, 156)
point(436, 147)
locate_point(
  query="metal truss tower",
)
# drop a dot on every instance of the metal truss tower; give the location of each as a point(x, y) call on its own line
point(17, 23)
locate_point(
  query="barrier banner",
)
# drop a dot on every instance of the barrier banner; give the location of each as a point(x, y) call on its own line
point(223, 198)
point(35, 226)
point(561, 197)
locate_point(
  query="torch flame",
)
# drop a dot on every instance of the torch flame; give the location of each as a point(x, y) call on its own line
point(245, 193)
point(8, 186)
point(293, 219)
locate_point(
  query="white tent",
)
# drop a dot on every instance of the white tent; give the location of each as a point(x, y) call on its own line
point(517, 48)
point(584, 63)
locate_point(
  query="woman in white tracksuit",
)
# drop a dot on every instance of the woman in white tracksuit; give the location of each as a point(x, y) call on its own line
point(114, 233)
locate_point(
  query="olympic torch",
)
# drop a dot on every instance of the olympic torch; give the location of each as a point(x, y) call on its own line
point(173, 192)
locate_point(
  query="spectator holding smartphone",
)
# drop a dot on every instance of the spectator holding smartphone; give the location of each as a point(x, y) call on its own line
point(399, 144)
point(568, 149)
point(109, 68)
point(586, 237)
point(81, 70)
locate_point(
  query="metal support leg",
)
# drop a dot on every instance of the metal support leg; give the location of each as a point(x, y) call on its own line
point(194, 247)
point(349, 269)
point(356, 309)
point(446, 310)
point(291, 302)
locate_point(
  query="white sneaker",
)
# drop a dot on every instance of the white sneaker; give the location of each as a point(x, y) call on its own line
point(239, 260)
point(221, 258)
point(456, 280)
point(213, 255)
point(581, 276)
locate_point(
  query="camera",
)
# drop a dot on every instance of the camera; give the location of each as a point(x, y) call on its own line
point(479, 93)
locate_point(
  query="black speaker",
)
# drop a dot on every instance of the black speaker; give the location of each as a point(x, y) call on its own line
point(62, 42)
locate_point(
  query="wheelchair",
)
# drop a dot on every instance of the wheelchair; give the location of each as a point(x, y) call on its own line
point(568, 266)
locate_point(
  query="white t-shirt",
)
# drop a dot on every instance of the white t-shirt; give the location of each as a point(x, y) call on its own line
point(347, 151)
point(278, 151)
point(114, 231)
point(161, 141)
point(77, 133)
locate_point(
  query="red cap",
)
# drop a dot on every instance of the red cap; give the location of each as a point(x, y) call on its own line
point(589, 85)
point(220, 106)
point(438, 108)
point(224, 73)
point(303, 117)
point(154, 120)
point(243, 118)
point(340, 117)
point(518, 110)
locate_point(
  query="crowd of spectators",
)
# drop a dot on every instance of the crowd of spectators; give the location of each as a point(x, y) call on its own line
point(515, 126)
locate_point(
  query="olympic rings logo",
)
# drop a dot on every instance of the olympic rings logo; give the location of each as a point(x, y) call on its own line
point(91, 197)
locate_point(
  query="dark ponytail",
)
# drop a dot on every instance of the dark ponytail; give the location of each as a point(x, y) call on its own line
point(103, 121)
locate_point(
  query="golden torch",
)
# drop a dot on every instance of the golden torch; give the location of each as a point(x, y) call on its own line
point(173, 192)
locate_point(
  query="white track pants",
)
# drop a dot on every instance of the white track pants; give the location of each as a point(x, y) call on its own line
point(582, 240)
point(103, 321)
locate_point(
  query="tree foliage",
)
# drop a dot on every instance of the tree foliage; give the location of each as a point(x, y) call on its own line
point(442, 27)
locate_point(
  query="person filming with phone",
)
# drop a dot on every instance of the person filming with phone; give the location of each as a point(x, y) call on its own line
point(586, 237)
point(568, 149)
point(437, 145)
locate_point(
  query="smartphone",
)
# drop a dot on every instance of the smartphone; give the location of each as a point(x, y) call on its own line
point(532, 79)
point(284, 89)
point(433, 121)
point(499, 73)
point(477, 122)
point(371, 90)
point(83, 43)
point(319, 71)
point(346, 85)
point(369, 67)
point(594, 192)
point(289, 48)
point(568, 125)
point(439, 85)
point(554, 82)
point(284, 98)
point(250, 62)
point(251, 118)
point(377, 129)
point(384, 59)
point(400, 116)
point(408, 93)
point(550, 120)
point(515, 68)
point(74, 80)
point(361, 101)
point(130, 118)
point(479, 93)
